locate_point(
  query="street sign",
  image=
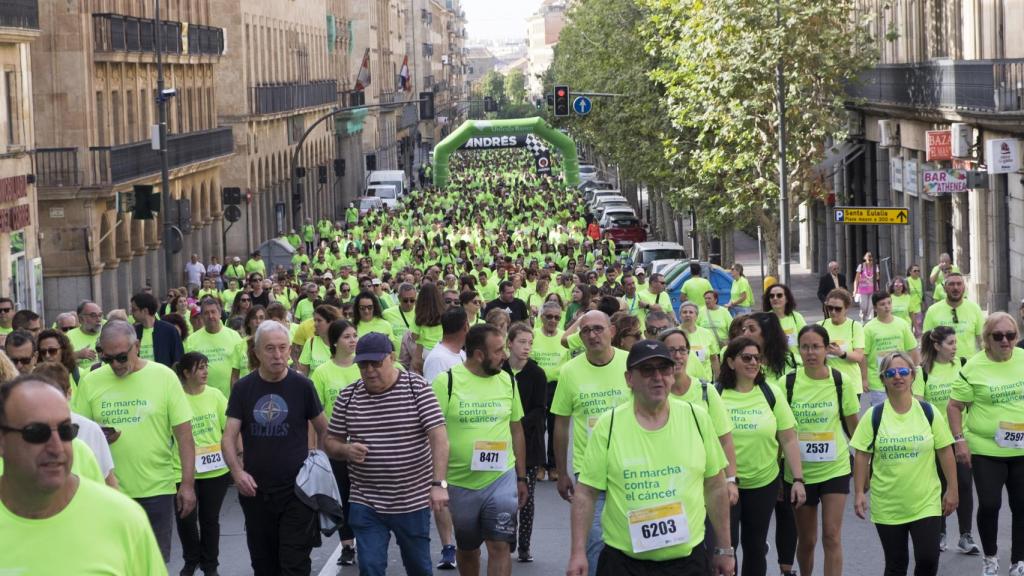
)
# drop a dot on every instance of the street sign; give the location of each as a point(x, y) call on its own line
point(582, 105)
point(863, 215)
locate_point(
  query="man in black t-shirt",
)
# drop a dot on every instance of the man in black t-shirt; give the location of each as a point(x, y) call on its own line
point(508, 302)
point(271, 409)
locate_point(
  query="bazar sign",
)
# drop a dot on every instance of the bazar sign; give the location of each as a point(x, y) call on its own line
point(940, 145)
point(948, 181)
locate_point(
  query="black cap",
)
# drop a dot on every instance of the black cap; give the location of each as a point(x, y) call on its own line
point(645, 350)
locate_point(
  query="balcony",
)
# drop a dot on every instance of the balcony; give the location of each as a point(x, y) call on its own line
point(389, 97)
point(57, 167)
point(116, 33)
point(116, 164)
point(19, 14)
point(987, 86)
point(275, 99)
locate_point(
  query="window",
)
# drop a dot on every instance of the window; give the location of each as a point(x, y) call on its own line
point(12, 87)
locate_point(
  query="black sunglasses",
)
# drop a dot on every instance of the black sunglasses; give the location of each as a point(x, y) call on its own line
point(997, 336)
point(39, 433)
point(120, 358)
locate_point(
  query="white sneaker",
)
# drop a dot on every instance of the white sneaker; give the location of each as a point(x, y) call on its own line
point(990, 566)
point(966, 544)
point(1017, 569)
point(942, 542)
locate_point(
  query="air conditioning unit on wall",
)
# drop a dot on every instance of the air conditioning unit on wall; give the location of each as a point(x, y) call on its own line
point(962, 138)
point(890, 133)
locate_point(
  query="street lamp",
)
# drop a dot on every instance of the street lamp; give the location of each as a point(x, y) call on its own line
point(783, 184)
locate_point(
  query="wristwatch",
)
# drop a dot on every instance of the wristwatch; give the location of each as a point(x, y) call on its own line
point(730, 551)
point(440, 483)
point(523, 479)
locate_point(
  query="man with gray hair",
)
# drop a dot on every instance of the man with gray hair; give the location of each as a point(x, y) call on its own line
point(66, 321)
point(270, 410)
point(83, 338)
point(145, 415)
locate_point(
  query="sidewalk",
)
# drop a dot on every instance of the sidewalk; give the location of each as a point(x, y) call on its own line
point(804, 284)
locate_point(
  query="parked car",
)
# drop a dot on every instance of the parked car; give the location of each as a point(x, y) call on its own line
point(386, 192)
point(588, 172)
point(595, 185)
point(615, 212)
point(624, 228)
point(367, 203)
point(597, 195)
point(603, 207)
point(643, 253)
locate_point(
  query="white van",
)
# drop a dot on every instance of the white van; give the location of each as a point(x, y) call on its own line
point(387, 193)
point(397, 178)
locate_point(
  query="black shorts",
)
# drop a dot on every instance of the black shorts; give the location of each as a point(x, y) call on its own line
point(837, 485)
point(613, 562)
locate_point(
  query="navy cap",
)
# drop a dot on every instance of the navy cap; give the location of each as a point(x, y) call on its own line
point(373, 347)
point(645, 350)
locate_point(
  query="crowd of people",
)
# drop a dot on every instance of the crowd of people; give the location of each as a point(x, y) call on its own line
point(433, 363)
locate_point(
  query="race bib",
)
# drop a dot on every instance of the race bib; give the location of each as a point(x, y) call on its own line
point(209, 458)
point(817, 446)
point(658, 527)
point(700, 352)
point(1010, 435)
point(489, 457)
point(791, 338)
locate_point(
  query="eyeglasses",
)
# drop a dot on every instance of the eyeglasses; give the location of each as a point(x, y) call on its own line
point(774, 295)
point(679, 351)
point(552, 317)
point(592, 330)
point(120, 358)
point(49, 351)
point(6, 310)
point(811, 347)
point(750, 358)
point(245, 299)
point(834, 308)
point(255, 279)
point(366, 307)
point(21, 361)
point(39, 433)
point(893, 372)
point(408, 300)
point(997, 336)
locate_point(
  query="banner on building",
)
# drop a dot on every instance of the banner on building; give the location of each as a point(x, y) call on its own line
point(1002, 155)
point(948, 181)
point(363, 77)
point(939, 145)
point(896, 173)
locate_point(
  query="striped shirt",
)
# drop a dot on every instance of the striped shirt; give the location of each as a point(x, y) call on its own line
point(396, 474)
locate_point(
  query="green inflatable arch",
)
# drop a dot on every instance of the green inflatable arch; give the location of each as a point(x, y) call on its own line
point(536, 126)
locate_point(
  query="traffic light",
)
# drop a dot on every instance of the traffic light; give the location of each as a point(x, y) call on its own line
point(146, 202)
point(561, 100)
point(321, 174)
point(232, 196)
point(426, 106)
point(339, 167)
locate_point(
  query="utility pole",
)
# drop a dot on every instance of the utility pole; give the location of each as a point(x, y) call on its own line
point(783, 184)
point(166, 200)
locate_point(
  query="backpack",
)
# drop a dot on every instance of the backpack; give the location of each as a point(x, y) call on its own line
point(876, 421)
point(611, 426)
point(769, 396)
point(838, 378)
point(451, 383)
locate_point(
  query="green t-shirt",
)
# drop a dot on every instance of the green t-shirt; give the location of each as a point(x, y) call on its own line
point(549, 353)
point(714, 406)
point(209, 416)
point(146, 344)
point(970, 320)
point(253, 265)
point(653, 479)
point(80, 340)
point(240, 357)
point(939, 385)
point(703, 347)
point(376, 325)
point(904, 481)
point(127, 545)
point(823, 446)
point(717, 321)
point(303, 310)
point(586, 391)
point(478, 415)
point(916, 291)
point(995, 392)
point(219, 349)
point(144, 406)
point(903, 306)
point(314, 353)
point(694, 289)
point(329, 379)
point(755, 434)
point(741, 289)
point(849, 336)
point(881, 339)
point(791, 326)
point(427, 336)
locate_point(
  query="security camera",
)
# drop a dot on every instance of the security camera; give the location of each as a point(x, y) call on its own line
point(169, 92)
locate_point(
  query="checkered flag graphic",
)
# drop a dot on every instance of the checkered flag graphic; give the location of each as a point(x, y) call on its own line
point(535, 145)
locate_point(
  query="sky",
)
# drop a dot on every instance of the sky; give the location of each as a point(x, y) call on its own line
point(498, 19)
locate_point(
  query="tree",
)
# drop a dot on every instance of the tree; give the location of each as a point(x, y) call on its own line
point(493, 85)
point(716, 62)
point(515, 87)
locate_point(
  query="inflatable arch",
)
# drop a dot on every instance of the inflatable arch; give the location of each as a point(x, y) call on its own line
point(519, 127)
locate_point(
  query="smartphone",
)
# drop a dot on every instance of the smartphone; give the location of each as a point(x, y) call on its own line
point(108, 430)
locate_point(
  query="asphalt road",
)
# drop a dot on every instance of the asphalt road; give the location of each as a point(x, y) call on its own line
point(863, 553)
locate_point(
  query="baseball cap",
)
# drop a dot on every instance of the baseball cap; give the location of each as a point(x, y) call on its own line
point(376, 282)
point(639, 271)
point(643, 351)
point(373, 347)
point(327, 275)
point(236, 259)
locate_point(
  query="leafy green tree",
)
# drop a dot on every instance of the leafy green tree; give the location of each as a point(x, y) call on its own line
point(716, 62)
point(515, 87)
point(493, 85)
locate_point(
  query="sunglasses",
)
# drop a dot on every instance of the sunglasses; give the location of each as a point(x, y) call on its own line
point(834, 308)
point(408, 300)
point(366, 307)
point(245, 299)
point(255, 279)
point(893, 372)
point(49, 351)
point(750, 358)
point(120, 358)
point(955, 319)
point(552, 317)
point(774, 295)
point(20, 361)
point(997, 336)
point(6, 310)
point(39, 433)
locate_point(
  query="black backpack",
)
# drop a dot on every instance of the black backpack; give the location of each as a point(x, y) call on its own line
point(769, 396)
point(838, 378)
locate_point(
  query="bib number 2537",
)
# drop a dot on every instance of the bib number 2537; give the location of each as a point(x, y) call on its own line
point(817, 446)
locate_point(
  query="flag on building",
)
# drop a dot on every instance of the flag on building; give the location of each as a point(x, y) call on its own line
point(363, 78)
point(404, 75)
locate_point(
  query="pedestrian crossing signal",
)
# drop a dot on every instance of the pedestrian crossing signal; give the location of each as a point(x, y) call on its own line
point(561, 100)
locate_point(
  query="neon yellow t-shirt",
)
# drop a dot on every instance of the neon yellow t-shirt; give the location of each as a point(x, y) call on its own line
point(427, 336)
point(713, 406)
point(754, 434)
point(717, 321)
point(653, 477)
point(823, 446)
point(903, 306)
point(144, 406)
point(376, 325)
point(549, 353)
point(849, 336)
point(694, 289)
point(970, 320)
point(791, 325)
point(586, 391)
point(209, 416)
point(995, 392)
point(146, 344)
point(80, 340)
point(477, 416)
point(939, 385)
point(881, 339)
point(703, 347)
point(127, 545)
point(741, 289)
point(219, 348)
point(329, 379)
point(314, 353)
point(904, 481)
